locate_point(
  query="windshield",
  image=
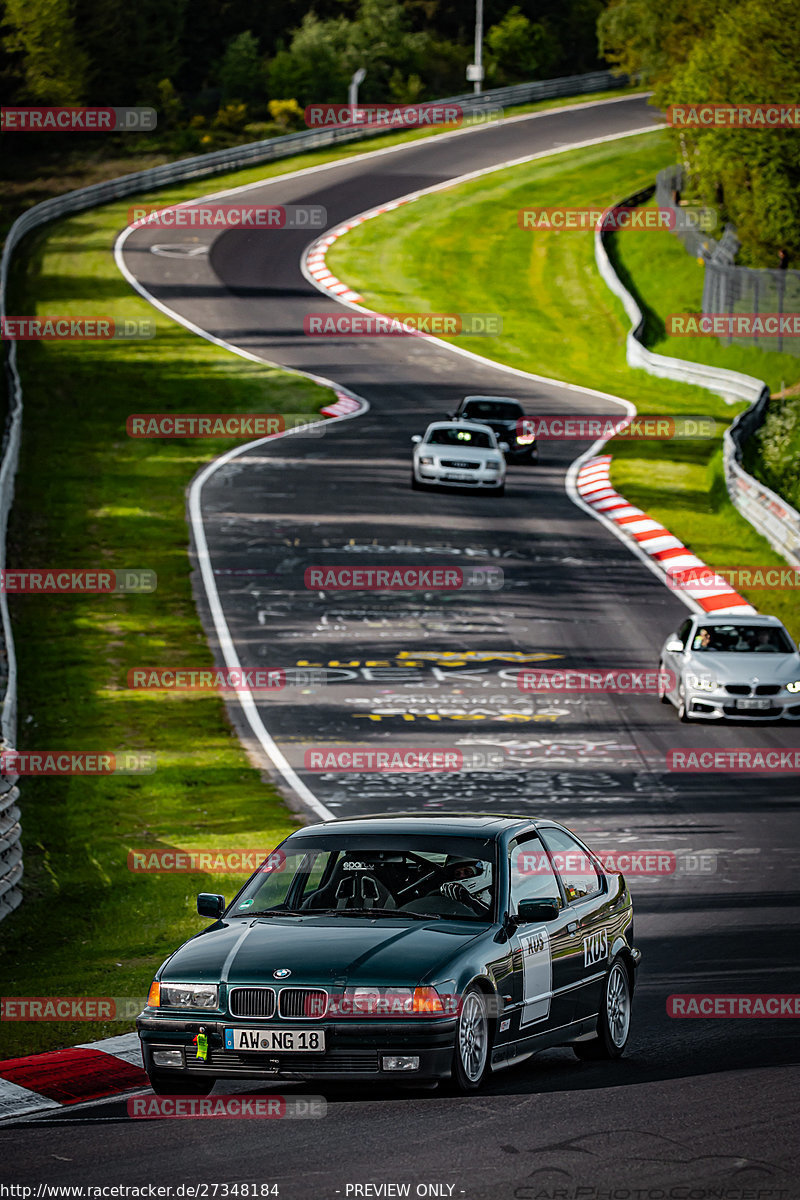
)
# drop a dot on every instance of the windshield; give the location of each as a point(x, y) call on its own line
point(742, 639)
point(453, 880)
point(493, 410)
point(455, 436)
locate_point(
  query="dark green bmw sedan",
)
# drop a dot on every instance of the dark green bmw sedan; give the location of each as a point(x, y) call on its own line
point(407, 948)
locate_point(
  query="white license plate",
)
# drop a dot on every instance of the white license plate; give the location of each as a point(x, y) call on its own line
point(458, 476)
point(275, 1041)
point(754, 704)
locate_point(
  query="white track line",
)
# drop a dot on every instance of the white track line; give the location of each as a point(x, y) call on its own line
point(248, 706)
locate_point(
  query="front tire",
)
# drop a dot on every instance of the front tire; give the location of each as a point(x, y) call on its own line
point(416, 486)
point(176, 1085)
point(471, 1050)
point(683, 711)
point(614, 1020)
point(499, 491)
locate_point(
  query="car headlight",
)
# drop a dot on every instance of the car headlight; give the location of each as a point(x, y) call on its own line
point(493, 464)
point(391, 1002)
point(525, 439)
point(794, 686)
point(702, 683)
point(426, 462)
point(183, 995)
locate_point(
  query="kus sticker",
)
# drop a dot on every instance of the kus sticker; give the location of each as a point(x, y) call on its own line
point(595, 948)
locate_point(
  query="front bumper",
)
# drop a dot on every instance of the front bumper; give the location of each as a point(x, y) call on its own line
point(721, 706)
point(449, 477)
point(353, 1049)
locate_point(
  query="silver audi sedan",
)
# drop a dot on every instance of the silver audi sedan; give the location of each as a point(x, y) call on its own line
point(722, 666)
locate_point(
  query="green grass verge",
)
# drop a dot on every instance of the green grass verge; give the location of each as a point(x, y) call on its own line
point(462, 250)
point(87, 495)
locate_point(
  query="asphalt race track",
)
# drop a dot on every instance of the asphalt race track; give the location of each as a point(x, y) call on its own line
point(695, 1104)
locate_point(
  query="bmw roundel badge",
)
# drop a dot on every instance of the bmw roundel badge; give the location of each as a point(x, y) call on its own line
point(281, 973)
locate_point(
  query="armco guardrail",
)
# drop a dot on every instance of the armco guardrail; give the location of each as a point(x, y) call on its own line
point(763, 508)
point(776, 520)
point(728, 288)
point(10, 849)
point(148, 181)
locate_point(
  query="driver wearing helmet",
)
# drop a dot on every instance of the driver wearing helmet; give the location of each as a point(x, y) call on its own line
point(477, 895)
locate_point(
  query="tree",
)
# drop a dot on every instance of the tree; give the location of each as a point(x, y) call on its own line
point(518, 49)
point(749, 55)
point(130, 48)
point(323, 55)
point(315, 67)
point(638, 37)
point(42, 33)
point(242, 75)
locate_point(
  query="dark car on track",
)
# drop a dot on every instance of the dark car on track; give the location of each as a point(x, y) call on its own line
point(399, 948)
point(507, 418)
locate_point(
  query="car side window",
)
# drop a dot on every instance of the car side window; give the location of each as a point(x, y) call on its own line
point(531, 873)
point(578, 873)
point(683, 632)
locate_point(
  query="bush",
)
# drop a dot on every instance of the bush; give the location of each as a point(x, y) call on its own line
point(287, 114)
point(231, 117)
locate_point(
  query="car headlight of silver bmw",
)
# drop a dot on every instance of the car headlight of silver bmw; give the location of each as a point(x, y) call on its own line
point(794, 686)
point(702, 683)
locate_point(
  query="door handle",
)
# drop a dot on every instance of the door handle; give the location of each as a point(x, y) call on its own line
point(572, 928)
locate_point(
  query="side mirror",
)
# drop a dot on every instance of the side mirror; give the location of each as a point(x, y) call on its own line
point(210, 905)
point(417, 438)
point(537, 910)
point(674, 646)
point(504, 446)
